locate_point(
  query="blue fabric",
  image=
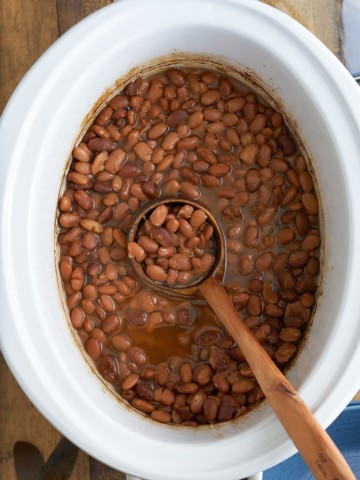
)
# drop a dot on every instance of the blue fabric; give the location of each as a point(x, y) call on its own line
point(345, 431)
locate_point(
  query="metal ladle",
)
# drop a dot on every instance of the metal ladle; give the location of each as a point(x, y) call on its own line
point(313, 443)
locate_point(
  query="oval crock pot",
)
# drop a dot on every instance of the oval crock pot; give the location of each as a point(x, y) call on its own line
point(38, 129)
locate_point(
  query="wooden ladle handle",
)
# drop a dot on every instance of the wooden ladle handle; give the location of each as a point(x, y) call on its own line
point(313, 443)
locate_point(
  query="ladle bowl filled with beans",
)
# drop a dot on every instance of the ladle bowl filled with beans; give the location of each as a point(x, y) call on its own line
point(175, 244)
point(139, 131)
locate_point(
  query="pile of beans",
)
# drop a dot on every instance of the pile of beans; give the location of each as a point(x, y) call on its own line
point(199, 135)
point(175, 244)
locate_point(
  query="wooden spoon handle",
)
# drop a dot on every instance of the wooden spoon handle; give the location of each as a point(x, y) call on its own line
point(315, 446)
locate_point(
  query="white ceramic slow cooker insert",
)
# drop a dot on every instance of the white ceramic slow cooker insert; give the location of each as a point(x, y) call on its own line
point(38, 129)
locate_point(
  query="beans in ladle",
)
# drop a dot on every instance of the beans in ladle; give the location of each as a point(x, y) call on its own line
point(166, 251)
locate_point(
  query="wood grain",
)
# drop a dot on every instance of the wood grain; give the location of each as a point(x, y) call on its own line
point(28, 28)
point(99, 471)
point(72, 11)
point(321, 17)
point(21, 421)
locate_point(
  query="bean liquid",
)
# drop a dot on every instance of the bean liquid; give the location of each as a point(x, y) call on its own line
point(198, 135)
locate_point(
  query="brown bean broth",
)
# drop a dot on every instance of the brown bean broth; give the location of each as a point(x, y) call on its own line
point(92, 220)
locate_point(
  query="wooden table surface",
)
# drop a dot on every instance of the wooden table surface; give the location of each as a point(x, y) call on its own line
point(27, 29)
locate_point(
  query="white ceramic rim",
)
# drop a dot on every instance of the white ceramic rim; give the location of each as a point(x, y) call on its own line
point(14, 289)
